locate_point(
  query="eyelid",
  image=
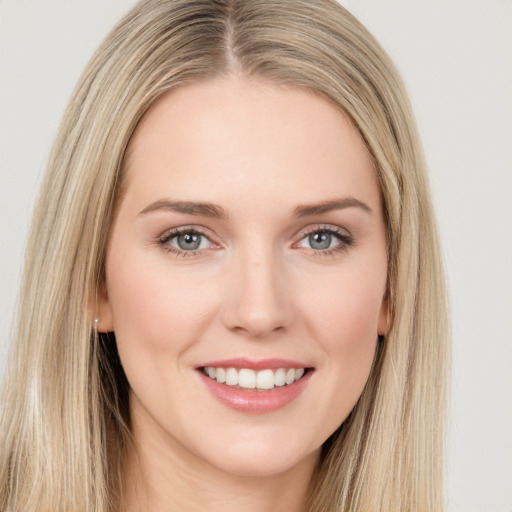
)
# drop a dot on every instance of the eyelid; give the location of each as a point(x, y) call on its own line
point(344, 236)
point(169, 234)
point(329, 228)
point(192, 228)
point(325, 227)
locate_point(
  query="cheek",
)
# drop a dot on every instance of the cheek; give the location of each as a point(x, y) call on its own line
point(154, 308)
point(344, 321)
point(345, 306)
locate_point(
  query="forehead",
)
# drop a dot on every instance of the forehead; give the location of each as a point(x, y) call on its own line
point(235, 137)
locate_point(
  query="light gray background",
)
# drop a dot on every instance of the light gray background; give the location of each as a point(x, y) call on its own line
point(456, 59)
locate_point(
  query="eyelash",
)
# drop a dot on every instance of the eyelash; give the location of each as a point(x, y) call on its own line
point(164, 240)
point(344, 238)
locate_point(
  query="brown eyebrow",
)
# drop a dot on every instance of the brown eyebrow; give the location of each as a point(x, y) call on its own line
point(217, 212)
point(189, 207)
point(327, 206)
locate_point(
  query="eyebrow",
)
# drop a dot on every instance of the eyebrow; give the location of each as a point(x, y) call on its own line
point(217, 212)
point(332, 204)
point(190, 207)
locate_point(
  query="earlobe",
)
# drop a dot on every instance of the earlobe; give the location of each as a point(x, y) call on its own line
point(103, 312)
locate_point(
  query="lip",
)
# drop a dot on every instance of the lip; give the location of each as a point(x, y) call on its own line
point(255, 401)
point(262, 364)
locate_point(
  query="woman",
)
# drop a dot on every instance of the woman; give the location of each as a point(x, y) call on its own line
point(233, 295)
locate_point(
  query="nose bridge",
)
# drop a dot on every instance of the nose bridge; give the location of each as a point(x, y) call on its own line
point(258, 302)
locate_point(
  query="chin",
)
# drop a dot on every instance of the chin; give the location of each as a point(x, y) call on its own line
point(260, 458)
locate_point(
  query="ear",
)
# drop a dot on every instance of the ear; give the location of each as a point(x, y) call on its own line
point(103, 310)
point(383, 322)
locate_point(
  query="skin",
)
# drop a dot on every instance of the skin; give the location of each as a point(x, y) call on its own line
point(256, 288)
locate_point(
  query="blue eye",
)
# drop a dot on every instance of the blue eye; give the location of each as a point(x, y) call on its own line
point(185, 241)
point(326, 240)
point(320, 240)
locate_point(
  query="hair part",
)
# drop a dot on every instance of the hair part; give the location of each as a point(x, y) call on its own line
point(65, 424)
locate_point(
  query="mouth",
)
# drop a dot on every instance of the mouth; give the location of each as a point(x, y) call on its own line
point(250, 386)
point(256, 380)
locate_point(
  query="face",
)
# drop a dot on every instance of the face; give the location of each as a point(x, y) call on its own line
point(246, 270)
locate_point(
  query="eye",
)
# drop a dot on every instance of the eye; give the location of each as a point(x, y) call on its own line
point(326, 240)
point(185, 242)
point(191, 241)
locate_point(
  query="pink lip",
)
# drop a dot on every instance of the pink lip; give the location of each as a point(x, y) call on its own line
point(253, 401)
point(262, 364)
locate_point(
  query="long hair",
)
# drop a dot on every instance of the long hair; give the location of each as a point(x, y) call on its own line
point(64, 426)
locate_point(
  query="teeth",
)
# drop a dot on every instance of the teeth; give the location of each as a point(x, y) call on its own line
point(247, 378)
point(221, 375)
point(265, 379)
point(231, 377)
point(280, 377)
point(250, 379)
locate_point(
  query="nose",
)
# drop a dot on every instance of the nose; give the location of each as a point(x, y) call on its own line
point(258, 300)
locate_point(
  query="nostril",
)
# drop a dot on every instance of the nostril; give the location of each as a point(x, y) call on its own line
point(258, 330)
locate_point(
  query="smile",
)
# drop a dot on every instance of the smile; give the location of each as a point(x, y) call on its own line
point(255, 386)
point(246, 378)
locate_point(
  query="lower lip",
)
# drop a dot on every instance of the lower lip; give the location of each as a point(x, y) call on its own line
point(254, 401)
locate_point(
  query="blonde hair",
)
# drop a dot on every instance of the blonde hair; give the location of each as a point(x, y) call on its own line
point(65, 421)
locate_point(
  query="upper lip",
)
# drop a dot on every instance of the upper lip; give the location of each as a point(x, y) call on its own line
point(261, 364)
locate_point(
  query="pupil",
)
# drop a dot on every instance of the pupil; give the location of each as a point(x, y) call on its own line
point(320, 240)
point(189, 241)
